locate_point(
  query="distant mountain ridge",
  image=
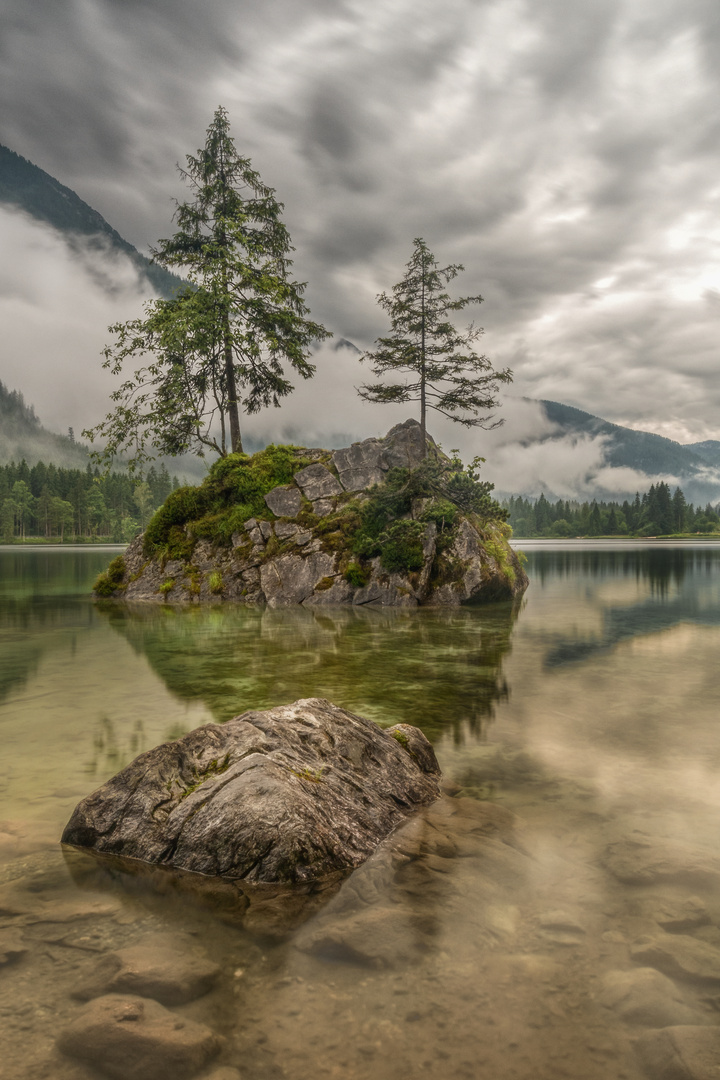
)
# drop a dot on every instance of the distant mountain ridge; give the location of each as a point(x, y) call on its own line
point(44, 198)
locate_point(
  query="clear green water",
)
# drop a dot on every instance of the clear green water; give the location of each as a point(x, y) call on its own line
point(591, 712)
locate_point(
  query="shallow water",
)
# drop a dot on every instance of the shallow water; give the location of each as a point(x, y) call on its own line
point(590, 713)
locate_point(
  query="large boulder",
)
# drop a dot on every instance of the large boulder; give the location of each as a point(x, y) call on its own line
point(291, 794)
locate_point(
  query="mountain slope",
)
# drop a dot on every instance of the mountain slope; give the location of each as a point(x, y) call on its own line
point(23, 436)
point(639, 450)
point(30, 188)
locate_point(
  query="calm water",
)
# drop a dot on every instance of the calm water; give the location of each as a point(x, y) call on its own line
point(591, 713)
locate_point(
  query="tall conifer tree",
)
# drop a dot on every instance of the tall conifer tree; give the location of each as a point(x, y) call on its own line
point(446, 374)
point(220, 346)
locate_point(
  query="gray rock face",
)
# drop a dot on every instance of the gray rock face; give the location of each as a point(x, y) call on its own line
point(287, 795)
point(645, 997)
point(284, 501)
point(403, 446)
point(361, 465)
point(291, 579)
point(684, 1052)
point(133, 1038)
point(317, 482)
point(679, 955)
point(166, 968)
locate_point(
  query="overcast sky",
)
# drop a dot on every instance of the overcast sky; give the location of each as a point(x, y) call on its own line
point(568, 153)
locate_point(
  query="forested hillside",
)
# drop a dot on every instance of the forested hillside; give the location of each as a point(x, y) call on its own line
point(30, 188)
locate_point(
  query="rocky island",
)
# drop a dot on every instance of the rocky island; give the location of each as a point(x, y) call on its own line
point(382, 522)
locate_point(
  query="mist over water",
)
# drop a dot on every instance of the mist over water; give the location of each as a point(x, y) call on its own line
point(577, 734)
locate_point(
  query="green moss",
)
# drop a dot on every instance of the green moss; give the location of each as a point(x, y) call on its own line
point(356, 576)
point(401, 737)
point(499, 550)
point(199, 776)
point(215, 582)
point(233, 492)
point(314, 775)
point(111, 581)
point(166, 586)
point(325, 583)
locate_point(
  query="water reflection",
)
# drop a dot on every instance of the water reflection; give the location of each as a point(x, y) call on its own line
point(681, 586)
point(439, 670)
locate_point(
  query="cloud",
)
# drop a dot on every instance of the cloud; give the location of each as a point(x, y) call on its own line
point(568, 156)
point(55, 309)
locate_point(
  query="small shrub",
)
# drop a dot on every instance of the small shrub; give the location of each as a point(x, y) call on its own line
point(401, 547)
point(443, 513)
point(166, 586)
point(356, 576)
point(215, 582)
point(111, 581)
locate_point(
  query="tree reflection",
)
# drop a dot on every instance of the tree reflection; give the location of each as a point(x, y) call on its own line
point(439, 670)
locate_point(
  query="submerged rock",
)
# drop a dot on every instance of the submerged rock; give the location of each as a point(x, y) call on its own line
point(291, 794)
point(680, 956)
point(684, 1052)
point(163, 967)
point(645, 996)
point(302, 545)
point(648, 860)
point(133, 1038)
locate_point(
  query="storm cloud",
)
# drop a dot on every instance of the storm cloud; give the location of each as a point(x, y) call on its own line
point(566, 154)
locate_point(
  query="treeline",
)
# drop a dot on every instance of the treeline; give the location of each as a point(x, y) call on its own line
point(52, 503)
point(657, 513)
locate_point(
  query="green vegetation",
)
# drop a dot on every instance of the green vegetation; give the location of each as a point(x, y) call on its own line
point(218, 346)
point(232, 494)
point(656, 513)
point(356, 576)
point(167, 586)
point(446, 374)
point(44, 502)
point(112, 579)
point(215, 582)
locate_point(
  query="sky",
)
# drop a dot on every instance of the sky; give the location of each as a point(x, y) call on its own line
point(567, 154)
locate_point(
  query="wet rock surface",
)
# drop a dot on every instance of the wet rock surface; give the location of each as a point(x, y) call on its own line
point(285, 562)
point(134, 1038)
point(291, 794)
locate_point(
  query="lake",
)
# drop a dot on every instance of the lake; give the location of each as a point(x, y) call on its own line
point(564, 909)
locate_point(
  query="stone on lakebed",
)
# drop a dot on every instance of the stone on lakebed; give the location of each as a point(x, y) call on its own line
point(290, 794)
